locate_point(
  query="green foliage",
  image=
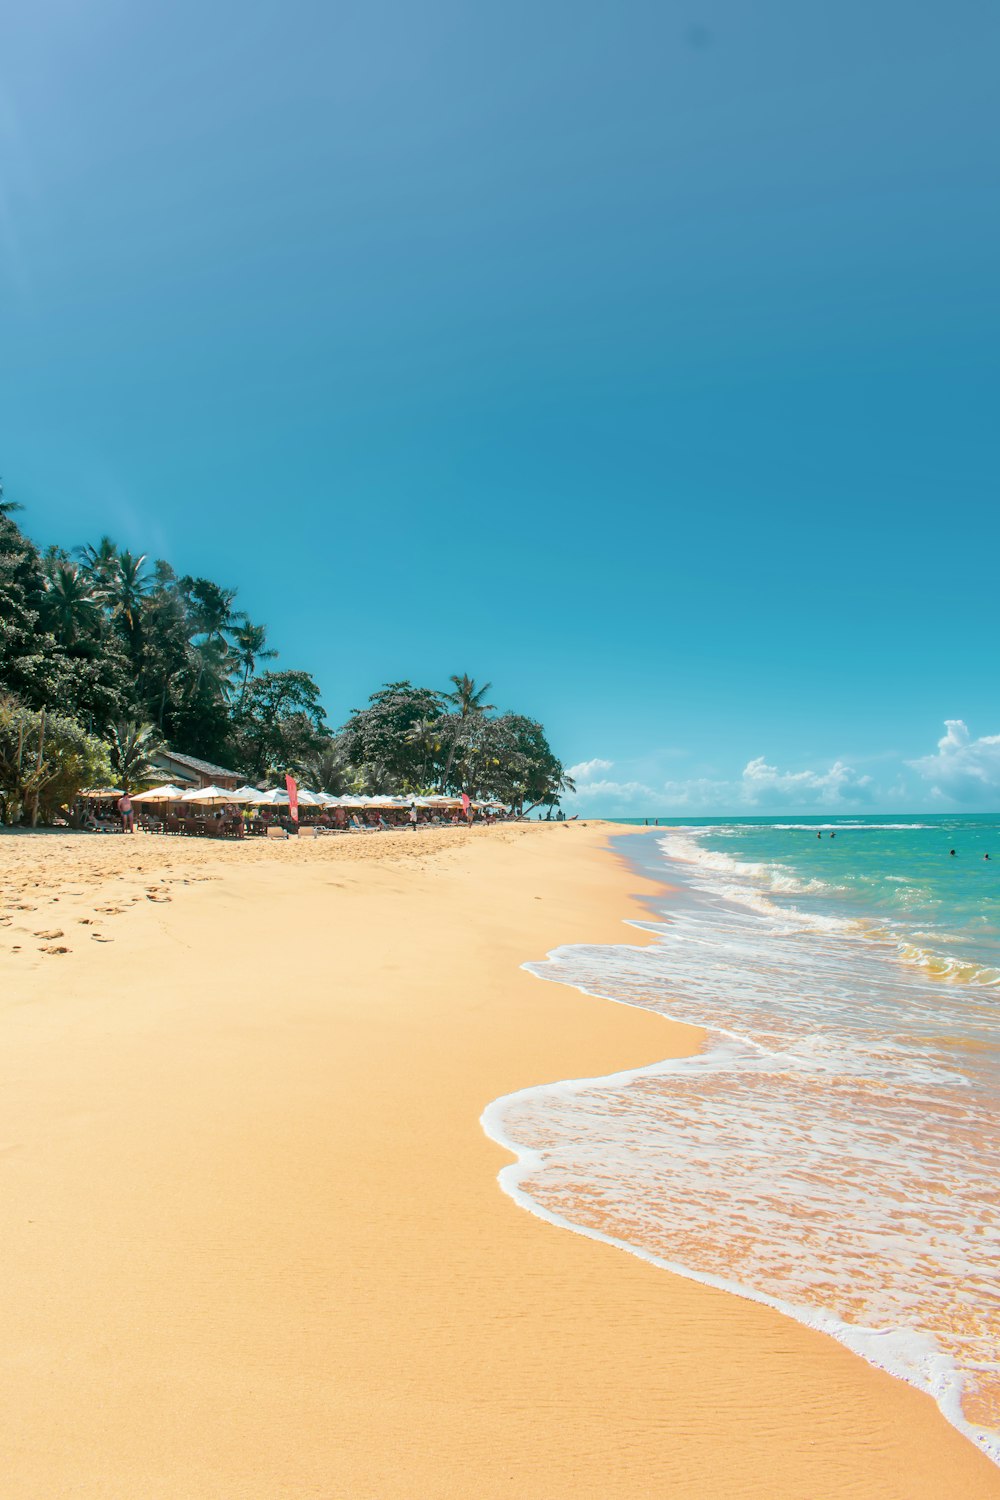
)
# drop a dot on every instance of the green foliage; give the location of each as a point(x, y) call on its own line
point(45, 760)
point(139, 657)
point(132, 746)
point(327, 769)
point(391, 741)
point(469, 708)
point(114, 639)
point(280, 726)
point(509, 758)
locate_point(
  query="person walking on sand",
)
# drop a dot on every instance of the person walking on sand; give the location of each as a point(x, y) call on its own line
point(413, 817)
point(128, 816)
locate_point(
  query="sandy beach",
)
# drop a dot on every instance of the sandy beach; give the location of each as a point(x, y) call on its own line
point(253, 1245)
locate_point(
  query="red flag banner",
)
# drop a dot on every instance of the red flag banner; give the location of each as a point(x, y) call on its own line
point(293, 798)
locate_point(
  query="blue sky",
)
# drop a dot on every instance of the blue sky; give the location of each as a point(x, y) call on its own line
point(642, 359)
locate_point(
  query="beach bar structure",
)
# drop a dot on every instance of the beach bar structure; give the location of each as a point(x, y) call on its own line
point(189, 772)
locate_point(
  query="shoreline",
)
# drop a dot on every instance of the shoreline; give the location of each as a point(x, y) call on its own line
point(255, 1241)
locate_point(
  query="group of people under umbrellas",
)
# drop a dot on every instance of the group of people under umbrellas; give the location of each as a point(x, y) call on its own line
point(223, 810)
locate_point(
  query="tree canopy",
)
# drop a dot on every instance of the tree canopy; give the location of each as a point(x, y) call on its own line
point(134, 657)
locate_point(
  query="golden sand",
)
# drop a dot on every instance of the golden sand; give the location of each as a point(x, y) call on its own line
point(252, 1245)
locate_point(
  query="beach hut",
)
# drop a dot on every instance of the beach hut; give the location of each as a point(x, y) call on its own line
point(192, 770)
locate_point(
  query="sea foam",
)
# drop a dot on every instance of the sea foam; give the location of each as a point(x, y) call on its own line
point(832, 1152)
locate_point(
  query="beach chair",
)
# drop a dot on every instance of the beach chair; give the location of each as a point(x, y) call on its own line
point(274, 832)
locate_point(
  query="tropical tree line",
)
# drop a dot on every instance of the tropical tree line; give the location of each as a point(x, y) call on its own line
point(107, 656)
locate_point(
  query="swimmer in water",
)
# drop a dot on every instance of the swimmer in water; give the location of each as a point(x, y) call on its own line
point(951, 852)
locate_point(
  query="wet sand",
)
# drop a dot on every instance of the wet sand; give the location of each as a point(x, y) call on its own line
point(252, 1242)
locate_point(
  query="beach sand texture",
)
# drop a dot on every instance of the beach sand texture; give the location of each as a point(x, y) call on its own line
point(253, 1246)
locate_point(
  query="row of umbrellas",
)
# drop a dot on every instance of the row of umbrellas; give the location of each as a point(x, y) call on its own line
point(251, 796)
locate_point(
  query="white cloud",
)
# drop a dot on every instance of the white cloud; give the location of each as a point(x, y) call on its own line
point(760, 784)
point(618, 792)
point(963, 769)
point(585, 769)
point(699, 794)
point(766, 784)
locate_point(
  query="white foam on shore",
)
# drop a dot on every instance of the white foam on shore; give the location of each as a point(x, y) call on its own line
point(832, 1151)
point(904, 1353)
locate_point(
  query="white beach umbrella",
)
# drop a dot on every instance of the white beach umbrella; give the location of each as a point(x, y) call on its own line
point(273, 797)
point(245, 794)
point(308, 799)
point(208, 796)
point(168, 793)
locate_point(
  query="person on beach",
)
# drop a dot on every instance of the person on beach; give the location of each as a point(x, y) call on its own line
point(413, 817)
point(127, 815)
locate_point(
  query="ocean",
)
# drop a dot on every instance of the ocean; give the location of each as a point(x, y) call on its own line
point(834, 1150)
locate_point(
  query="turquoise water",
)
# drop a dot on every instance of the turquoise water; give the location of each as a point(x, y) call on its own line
point(893, 873)
point(834, 1148)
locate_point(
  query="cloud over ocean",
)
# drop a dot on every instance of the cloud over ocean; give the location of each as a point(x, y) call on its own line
point(963, 773)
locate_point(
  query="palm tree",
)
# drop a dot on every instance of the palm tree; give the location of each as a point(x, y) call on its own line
point(250, 642)
point(99, 562)
point(425, 737)
point(133, 745)
point(126, 590)
point(8, 507)
point(71, 604)
point(467, 700)
point(211, 667)
point(327, 770)
point(211, 610)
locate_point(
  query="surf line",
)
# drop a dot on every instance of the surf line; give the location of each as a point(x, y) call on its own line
point(904, 1353)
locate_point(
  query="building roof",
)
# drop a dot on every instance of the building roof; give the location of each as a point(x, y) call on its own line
point(200, 767)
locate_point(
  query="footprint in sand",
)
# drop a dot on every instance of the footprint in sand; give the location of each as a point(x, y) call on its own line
point(99, 937)
point(54, 948)
point(85, 921)
point(56, 932)
point(155, 895)
point(111, 911)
